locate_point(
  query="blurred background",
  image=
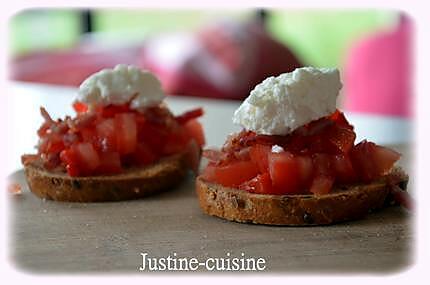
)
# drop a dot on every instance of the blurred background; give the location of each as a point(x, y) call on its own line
point(222, 54)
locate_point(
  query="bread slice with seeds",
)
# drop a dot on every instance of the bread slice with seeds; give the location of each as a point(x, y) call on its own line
point(134, 183)
point(342, 204)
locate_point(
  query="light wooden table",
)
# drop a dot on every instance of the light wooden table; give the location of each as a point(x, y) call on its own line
point(50, 236)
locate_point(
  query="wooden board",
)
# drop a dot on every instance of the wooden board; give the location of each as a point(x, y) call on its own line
point(50, 236)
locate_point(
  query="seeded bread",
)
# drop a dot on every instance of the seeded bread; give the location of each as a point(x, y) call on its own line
point(342, 204)
point(133, 184)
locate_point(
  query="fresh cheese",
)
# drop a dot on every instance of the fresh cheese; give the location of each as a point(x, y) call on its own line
point(279, 105)
point(122, 84)
point(277, 149)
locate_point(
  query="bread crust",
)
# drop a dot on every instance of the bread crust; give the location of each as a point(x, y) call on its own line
point(342, 204)
point(132, 184)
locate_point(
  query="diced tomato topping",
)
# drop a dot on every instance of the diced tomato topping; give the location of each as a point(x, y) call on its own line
point(402, 197)
point(42, 131)
point(212, 154)
point(371, 161)
point(54, 144)
point(342, 138)
point(305, 169)
point(126, 133)
point(321, 184)
point(106, 135)
point(88, 158)
point(343, 169)
point(259, 155)
point(175, 141)
point(111, 110)
point(340, 120)
point(363, 164)
point(144, 155)
point(384, 158)
point(106, 139)
point(261, 184)
point(110, 163)
point(317, 157)
point(193, 155)
point(88, 134)
point(190, 115)
point(71, 160)
point(231, 175)
point(154, 136)
point(284, 172)
point(195, 131)
point(322, 164)
point(264, 184)
point(80, 107)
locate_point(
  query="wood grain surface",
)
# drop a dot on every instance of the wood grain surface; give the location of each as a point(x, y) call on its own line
point(52, 236)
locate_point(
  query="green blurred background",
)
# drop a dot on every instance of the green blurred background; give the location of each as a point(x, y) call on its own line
point(321, 40)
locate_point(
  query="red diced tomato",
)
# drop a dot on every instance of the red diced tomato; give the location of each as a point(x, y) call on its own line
point(259, 155)
point(126, 133)
point(231, 175)
point(104, 139)
point(55, 145)
point(80, 107)
point(320, 144)
point(144, 155)
point(343, 169)
point(140, 120)
point(284, 172)
point(111, 110)
point(212, 154)
point(193, 155)
point(261, 184)
point(339, 118)
point(88, 134)
point(317, 156)
point(321, 185)
point(190, 115)
point(110, 163)
point(44, 128)
point(305, 168)
point(362, 161)
point(106, 135)
point(176, 141)
point(402, 197)
point(300, 144)
point(384, 158)
point(154, 136)
point(371, 161)
point(316, 127)
point(208, 172)
point(70, 159)
point(51, 143)
point(88, 158)
point(242, 154)
point(342, 138)
point(195, 131)
point(322, 164)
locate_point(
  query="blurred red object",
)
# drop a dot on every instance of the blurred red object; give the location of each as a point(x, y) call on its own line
point(68, 67)
point(223, 60)
point(378, 73)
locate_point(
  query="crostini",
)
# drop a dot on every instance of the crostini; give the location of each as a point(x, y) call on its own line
point(296, 161)
point(123, 143)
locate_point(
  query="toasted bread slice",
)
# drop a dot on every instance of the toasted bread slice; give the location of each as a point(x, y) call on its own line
point(342, 204)
point(133, 184)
